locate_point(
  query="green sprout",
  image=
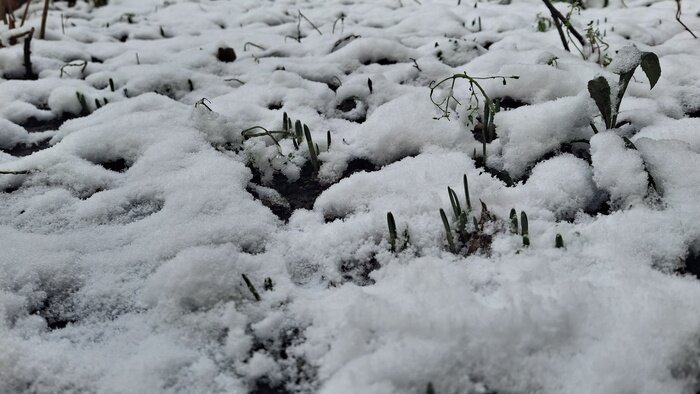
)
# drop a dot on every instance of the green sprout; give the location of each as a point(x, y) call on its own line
point(392, 230)
point(313, 149)
point(490, 107)
point(559, 241)
point(513, 221)
point(524, 229)
point(84, 109)
point(448, 231)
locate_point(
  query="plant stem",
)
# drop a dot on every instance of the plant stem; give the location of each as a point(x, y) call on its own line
point(678, 18)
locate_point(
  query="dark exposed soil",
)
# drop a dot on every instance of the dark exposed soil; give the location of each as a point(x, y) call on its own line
point(33, 125)
point(303, 192)
point(691, 265)
point(119, 165)
point(277, 348)
point(357, 272)
point(347, 106)
point(54, 310)
point(381, 62)
point(26, 150)
point(508, 102)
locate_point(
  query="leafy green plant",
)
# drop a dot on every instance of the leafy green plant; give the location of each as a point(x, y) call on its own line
point(490, 107)
point(600, 90)
point(393, 235)
point(468, 237)
point(298, 133)
point(598, 45)
point(287, 131)
point(513, 221)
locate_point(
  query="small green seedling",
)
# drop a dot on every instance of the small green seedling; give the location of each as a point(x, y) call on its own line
point(524, 229)
point(543, 23)
point(111, 84)
point(251, 288)
point(559, 241)
point(600, 91)
point(393, 235)
point(430, 389)
point(392, 231)
point(369, 85)
point(84, 109)
point(468, 240)
point(514, 221)
point(313, 149)
point(448, 231)
point(328, 140)
point(268, 285)
point(490, 109)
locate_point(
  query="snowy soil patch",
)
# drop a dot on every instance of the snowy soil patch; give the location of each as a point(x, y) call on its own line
point(194, 197)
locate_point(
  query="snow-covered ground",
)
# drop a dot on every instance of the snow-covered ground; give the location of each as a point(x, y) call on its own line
point(128, 236)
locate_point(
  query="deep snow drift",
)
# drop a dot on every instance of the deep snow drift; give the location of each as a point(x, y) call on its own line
point(135, 219)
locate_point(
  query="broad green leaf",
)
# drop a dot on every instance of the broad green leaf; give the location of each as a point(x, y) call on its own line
point(599, 90)
point(651, 67)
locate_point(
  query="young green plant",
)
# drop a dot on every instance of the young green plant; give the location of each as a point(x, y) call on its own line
point(600, 90)
point(490, 108)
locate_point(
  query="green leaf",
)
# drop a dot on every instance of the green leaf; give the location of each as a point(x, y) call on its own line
point(599, 90)
point(312, 149)
point(651, 67)
point(456, 208)
point(466, 193)
point(513, 221)
point(392, 230)
point(524, 230)
point(559, 241)
point(448, 231)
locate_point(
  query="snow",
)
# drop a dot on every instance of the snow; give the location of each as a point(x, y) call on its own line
point(617, 169)
point(128, 235)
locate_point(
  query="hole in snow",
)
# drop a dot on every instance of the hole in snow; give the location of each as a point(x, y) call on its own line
point(21, 150)
point(691, 264)
point(358, 272)
point(118, 165)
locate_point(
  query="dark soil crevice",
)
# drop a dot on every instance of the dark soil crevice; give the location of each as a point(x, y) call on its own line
point(55, 310)
point(33, 125)
point(304, 192)
point(358, 272)
point(691, 264)
point(382, 62)
point(21, 150)
point(298, 370)
point(353, 109)
point(117, 165)
point(508, 103)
